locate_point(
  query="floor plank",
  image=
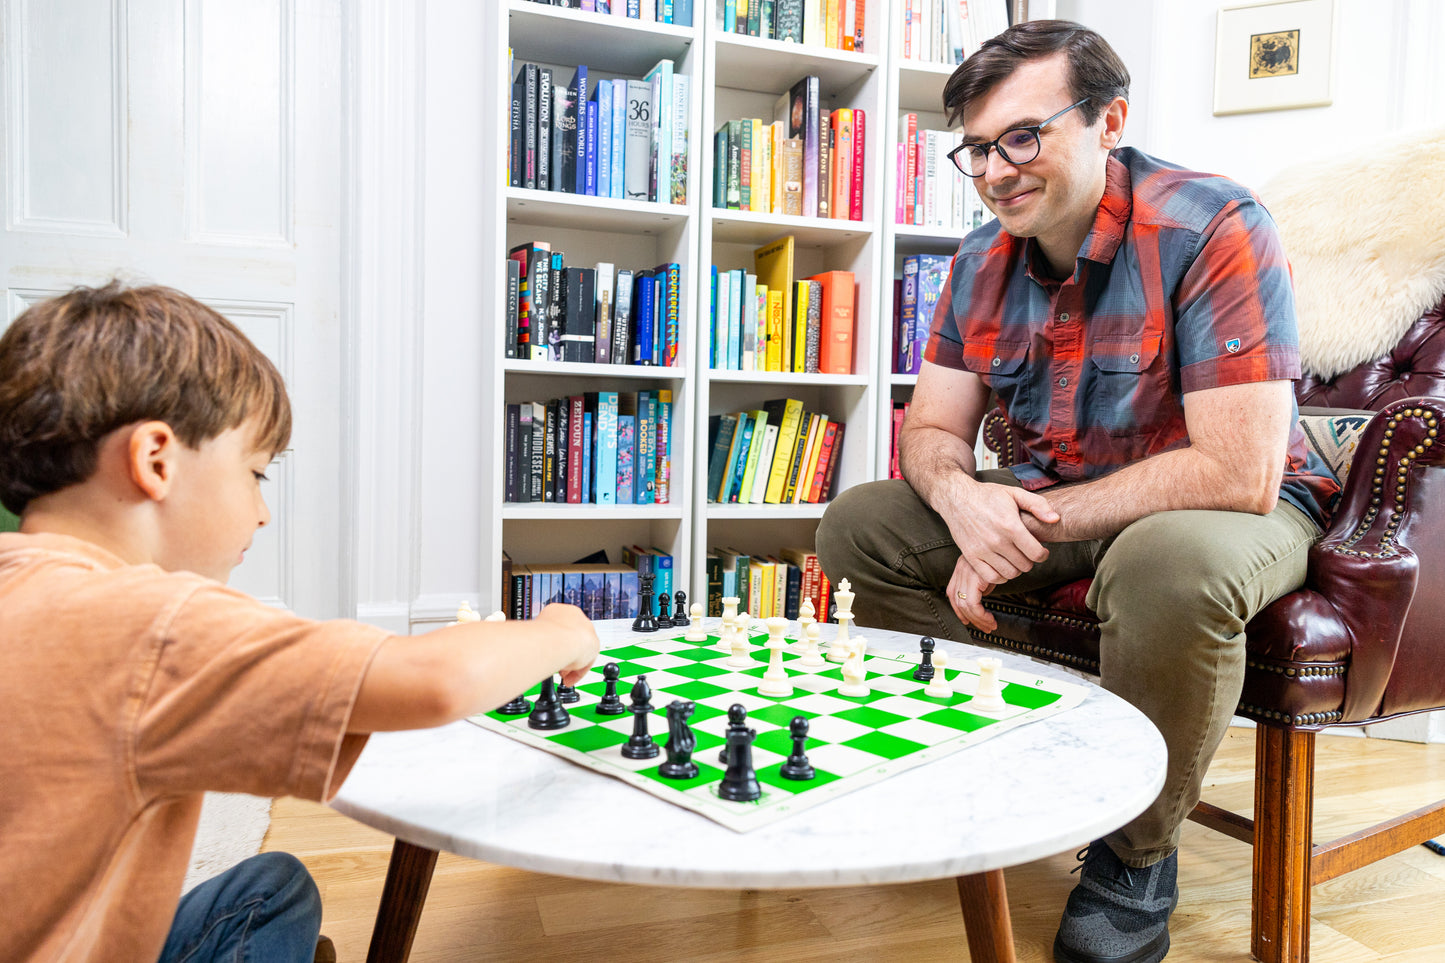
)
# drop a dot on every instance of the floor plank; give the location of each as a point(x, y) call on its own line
point(478, 912)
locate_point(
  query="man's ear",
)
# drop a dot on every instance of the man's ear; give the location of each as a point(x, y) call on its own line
point(1114, 116)
point(151, 458)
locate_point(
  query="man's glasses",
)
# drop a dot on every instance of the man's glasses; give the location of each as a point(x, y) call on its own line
point(1018, 146)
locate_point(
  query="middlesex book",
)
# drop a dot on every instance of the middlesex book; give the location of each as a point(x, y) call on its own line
point(835, 349)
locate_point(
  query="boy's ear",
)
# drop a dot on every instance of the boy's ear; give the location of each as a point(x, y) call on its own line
point(151, 458)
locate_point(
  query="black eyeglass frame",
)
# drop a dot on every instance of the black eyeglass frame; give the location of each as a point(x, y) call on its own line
point(1034, 129)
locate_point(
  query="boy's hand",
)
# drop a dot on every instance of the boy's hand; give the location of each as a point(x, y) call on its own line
point(570, 621)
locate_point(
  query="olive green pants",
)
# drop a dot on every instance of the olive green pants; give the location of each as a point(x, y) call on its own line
point(1173, 592)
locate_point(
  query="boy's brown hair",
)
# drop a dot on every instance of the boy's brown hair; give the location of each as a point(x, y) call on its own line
point(78, 366)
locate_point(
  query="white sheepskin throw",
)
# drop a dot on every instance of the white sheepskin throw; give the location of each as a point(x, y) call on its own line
point(1365, 234)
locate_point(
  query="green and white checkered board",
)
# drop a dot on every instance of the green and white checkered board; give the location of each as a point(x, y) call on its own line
point(852, 741)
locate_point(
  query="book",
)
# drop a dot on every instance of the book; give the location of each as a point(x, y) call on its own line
point(813, 328)
point(622, 318)
point(834, 457)
point(717, 461)
point(576, 439)
point(626, 456)
point(933, 271)
point(535, 258)
point(511, 337)
point(737, 450)
point(806, 430)
point(798, 110)
point(792, 176)
point(579, 338)
point(681, 96)
point(528, 75)
point(820, 466)
point(810, 460)
point(669, 311)
point(539, 449)
point(825, 163)
point(750, 463)
point(841, 122)
point(602, 93)
point(551, 461)
point(544, 128)
point(644, 318)
point(774, 264)
point(602, 328)
point(605, 492)
point(762, 471)
point(581, 94)
point(618, 187)
point(663, 447)
point(564, 138)
point(589, 456)
point(748, 332)
point(735, 314)
point(835, 349)
point(860, 133)
point(646, 464)
point(777, 329)
point(591, 153)
point(660, 133)
point(517, 148)
point(523, 482)
point(512, 430)
point(903, 360)
point(638, 149)
point(787, 413)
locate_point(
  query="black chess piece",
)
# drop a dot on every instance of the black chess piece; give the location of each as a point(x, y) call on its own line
point(740, 780)
point(549, 713)
point(797, 766)
point(640, 744)
point(679, 612)
point(664, 621)
point(924, 672)
point(519, 706)
point(737, 719)
point(567, 695)
point(645, 621)
point(610, 705)
point(680, 742)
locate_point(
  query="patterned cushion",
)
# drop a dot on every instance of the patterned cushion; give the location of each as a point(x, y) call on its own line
point(1334, 435)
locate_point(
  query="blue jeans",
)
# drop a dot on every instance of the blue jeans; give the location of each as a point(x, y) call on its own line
point(266, 909)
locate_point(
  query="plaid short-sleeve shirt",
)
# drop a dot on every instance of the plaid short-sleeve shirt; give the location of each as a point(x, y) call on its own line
point(1181, 285)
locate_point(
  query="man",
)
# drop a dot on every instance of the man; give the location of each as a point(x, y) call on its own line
point(1137, 323)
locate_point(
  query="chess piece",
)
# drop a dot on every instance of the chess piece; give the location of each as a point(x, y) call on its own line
point(988, 697)
point(854, 675)
point(838, 648)
point(640, 744)
point(737, 719)
point(645, 621)
point(805, 619)
point(797, 766)
point(549, 713)
point(497, 616)
point(738, 642)
point(938, 687)
point(664, 620)
point(729, 619)
point(567, 695)
point(680, 742)
point(924, 672)
point(696, 631)
point(740, 779)
point(775, 679)
point(465, 613)
point(812, 656)
point(679, 611)
point(610, 705)
point(519, 706)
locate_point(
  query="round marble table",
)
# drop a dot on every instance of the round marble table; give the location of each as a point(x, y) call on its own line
point(1028, 793)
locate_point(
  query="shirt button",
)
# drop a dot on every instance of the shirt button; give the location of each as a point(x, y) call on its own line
point(1064, 316)
point(996, 362)
point(1063, 446)
point(1063, 382)
point(1133, 359)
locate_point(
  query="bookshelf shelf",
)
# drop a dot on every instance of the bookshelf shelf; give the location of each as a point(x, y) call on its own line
point(907, 380)
point(752, 227)
point(589, 513)
point(608, 43)
point(580, 212)
point(910, 239)
point(741, 512)
point(786, 379)
point(572, 369)
point(920, 85)
point(747, 63)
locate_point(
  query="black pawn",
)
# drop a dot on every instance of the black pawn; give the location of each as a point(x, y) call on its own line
point(680, 743)
point(737, 719)
point(924, 672)
point(519, 706)
point(640, 744)
point(679, 612)
point(548, 713)
point(740, 781)
point(645, 622)
point(610, 705)
point(567, 694)
point(664, 621)
point(797, 766)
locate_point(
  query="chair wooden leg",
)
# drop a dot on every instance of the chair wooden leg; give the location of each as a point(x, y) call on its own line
point(408, 877)
point(986, 922)
point(1283, 824)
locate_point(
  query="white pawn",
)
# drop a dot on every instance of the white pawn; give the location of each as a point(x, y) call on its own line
point(695, 631)
point(989, 695)
point(775, 680)
point(738, 642)
point(805, 619)
point(812, 657)
point(938, 687)
point(497, 616)
point(853, 672)
point(466, 614)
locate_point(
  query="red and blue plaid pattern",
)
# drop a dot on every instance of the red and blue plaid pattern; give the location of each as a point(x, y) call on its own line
point(1181, 285)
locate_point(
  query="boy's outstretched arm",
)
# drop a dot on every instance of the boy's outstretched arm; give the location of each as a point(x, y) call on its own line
point(416, 682)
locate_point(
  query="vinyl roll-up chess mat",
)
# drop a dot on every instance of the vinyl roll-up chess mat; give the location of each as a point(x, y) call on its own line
point(852, 741)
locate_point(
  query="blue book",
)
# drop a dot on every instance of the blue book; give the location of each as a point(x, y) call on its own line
point(735, 324)
point(554, 588)
point(572, 588)
point(740, 459)
point(594, 592)
point(644, 310)
point(662, 567)
point(614, 587)
point(737, 450)
point(606, 490)
point(645, 469)
point(587, 443)
point(626, 454)
point(604, 138)
point(581, 92)
point(712, 315)
point(634, 557)
point(625, 606)
point(682, 13)
point(619, 139)
point(592, 147)
point(722, 444)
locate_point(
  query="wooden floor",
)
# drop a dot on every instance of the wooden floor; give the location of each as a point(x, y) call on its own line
point(1389, 911)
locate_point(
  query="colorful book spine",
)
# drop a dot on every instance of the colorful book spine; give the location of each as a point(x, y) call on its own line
point(626, 457)
point(664, 446)
point(607, 438)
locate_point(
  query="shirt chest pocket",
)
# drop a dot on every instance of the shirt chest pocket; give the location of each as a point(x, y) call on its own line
point(1127, 377)
point(1003, 367)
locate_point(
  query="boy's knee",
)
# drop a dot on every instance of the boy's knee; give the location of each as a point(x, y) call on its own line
point(282, 879)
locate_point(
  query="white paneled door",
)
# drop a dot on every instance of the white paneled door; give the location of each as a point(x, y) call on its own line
point(197, 144)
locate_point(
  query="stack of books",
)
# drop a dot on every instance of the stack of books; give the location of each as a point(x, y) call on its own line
point(806, 161)
point(598, 448)
point(590, 314)
point(600, 590)
point(767, 585)
point(931, 191)
point(925, 278)
point(948, 31)
point(620, 138)
point(677, 12)
point(824, 23)
point(778, 454)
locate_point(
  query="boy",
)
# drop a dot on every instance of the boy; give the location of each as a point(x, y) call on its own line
point(135, 427)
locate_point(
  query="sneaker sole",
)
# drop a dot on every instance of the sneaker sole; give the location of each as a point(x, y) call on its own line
point(1152, 952)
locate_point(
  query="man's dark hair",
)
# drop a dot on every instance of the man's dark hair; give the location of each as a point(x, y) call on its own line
point(1095, 70)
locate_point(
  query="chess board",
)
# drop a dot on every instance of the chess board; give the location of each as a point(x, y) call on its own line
point(852, 741)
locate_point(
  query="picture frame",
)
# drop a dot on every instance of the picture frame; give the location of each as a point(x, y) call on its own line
point(1274, 55)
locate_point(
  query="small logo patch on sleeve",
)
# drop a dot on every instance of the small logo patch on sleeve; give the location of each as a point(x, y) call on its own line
point(1232, 345)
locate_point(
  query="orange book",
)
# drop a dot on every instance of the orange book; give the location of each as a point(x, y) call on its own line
point(835, 349)
point(825, 452)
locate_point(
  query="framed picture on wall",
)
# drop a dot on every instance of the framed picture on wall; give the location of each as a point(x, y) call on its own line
point(1274, 56)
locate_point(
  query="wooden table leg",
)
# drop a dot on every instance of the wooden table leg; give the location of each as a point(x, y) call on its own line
point(408, 877)
point(985, 917)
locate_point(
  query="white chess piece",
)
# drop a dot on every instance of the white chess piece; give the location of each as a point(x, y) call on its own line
point(466, 614)
point(812, 657)
point(805, 619)
point(497, 616)
point(853, 672)
point(738, 642)
point(729, 620)
point(838, 648)
point(695, 631)
point(938, 687)
point(988, 697)
point(775, 679)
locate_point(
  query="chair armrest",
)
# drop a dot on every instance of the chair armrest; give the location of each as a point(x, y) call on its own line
point(1362, 565)
point(998, 437)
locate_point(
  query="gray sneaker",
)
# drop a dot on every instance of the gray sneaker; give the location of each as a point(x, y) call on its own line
point(1118, 914)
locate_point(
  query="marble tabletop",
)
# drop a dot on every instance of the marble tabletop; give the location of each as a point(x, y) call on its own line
point(1028, 793)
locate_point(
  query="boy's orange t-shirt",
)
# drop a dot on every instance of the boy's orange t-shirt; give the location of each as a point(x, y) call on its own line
point(127, 692)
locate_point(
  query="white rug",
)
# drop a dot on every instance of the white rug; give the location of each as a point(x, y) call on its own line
point(232, 828)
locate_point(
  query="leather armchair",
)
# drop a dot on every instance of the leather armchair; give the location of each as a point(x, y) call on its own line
point(1361, 641)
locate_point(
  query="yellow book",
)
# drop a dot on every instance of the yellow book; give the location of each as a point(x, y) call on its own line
point(798, 330)
point(768, 605)
point(758, 200)
point(810, 463)
point(780, 585)
point(776, 142)
point(755, 446)
point(775, 331)
point(787, 443)
point(774, 265)
point(832, 28)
